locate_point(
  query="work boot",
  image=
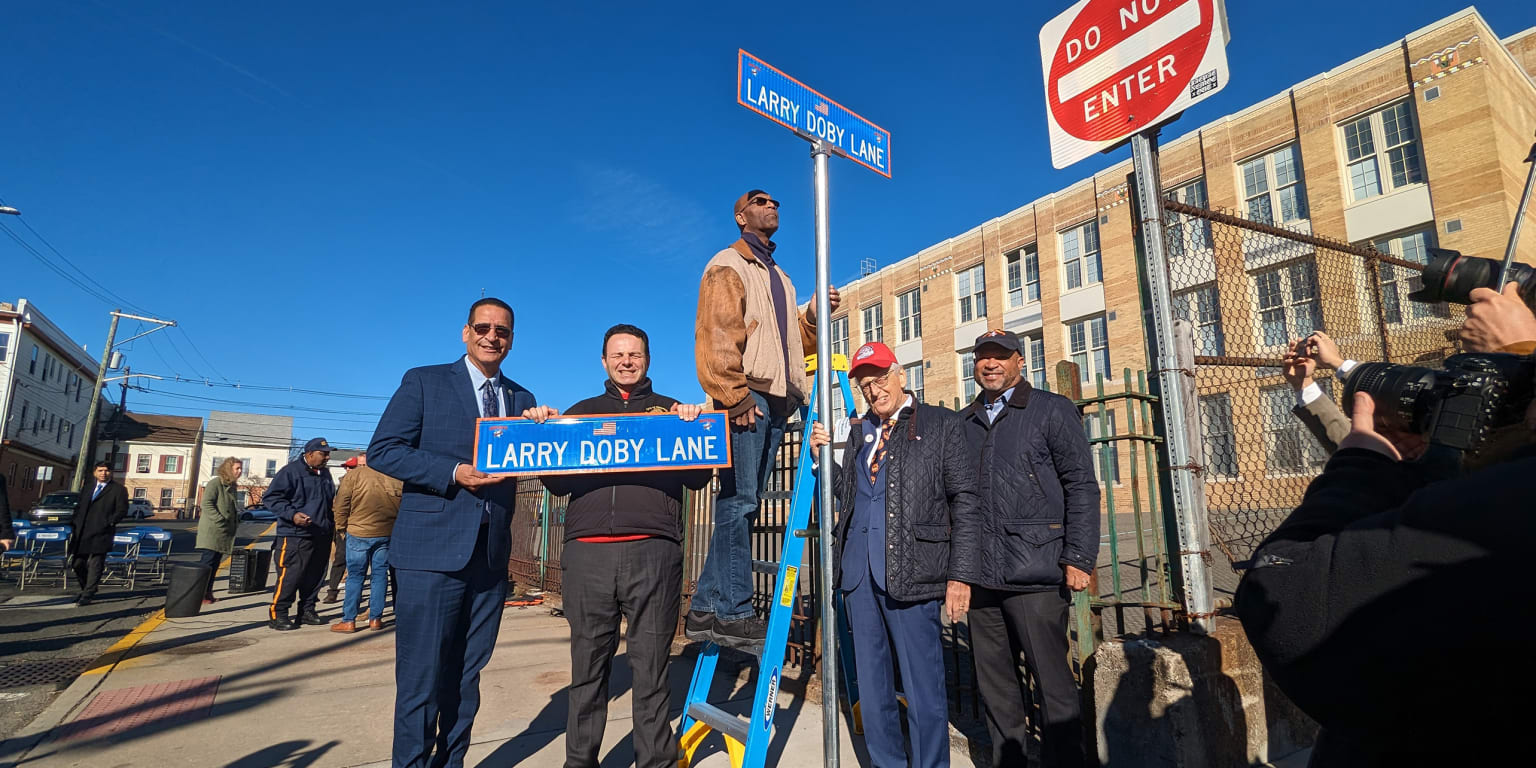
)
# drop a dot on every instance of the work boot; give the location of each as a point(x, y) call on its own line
point(344, 626)
point(699, 626)
point(310, 617)
point(283, 624)
point(330, 597)
point(375, 624)
point(745, 634)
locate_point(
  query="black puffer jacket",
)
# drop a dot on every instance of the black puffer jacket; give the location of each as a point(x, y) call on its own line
point(1036, 482)
point(625, 503)
point(931, 489)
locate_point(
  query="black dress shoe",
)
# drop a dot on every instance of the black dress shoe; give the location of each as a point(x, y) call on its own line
point(282, 625)
point(746, 634)
point(699, 626)
point(310, 617)
point(83, 600)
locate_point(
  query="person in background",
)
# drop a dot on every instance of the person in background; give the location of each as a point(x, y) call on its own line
point(367, 502)
point(1316, 410)
point(103, 504)
point(220, 518)
point(7, 531)
point(301, 497)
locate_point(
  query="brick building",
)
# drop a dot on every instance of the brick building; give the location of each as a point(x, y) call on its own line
point(157, 457)
point(1419, 143)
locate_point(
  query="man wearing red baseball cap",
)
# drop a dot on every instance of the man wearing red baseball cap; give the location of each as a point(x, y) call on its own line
point(907, 490)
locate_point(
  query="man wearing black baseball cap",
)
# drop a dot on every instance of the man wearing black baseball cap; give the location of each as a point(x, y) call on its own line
point(1039, 542)
point(300, 495)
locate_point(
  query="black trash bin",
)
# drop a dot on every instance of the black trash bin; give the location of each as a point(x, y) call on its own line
point(184, 595)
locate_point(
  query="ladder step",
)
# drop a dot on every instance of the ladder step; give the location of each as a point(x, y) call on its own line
point(777, 495)
point(721, 721)
point(765, 566)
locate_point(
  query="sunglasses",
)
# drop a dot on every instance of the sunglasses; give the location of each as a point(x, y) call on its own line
point(484, 329)
point(768, 201)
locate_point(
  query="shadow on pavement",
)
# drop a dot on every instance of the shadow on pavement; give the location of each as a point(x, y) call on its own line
point(289, 754)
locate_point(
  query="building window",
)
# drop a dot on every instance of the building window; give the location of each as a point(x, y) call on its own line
point(971, 287)
point(874, 323)
point(5, 346)
point(1080, 255)
point(909, 308)
point(840, 335)
point(1217, 435)
point(1096, 427)
point(120, 462)
point(1397, 282)
point(1200, 307)
point(141, 493)
point(1382, 151)
point(24, 406)
point(1088, 343)
point(1288, 306)
point(1188, 233)
point(1273, 183)
point(32, 366)
point(1035, 345)
point(968, 376)
point(170, 464)
point(141, 463)
point(79, 385)
point(1289, 449)
point(165, 498)
point(915, 380)
point(1023, 276)
point(214, 467)
point(272, 463)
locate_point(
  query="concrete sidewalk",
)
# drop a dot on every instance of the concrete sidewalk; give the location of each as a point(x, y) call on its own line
point(222, 689)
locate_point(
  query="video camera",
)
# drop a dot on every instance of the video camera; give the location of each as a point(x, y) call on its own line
point(1456, 407)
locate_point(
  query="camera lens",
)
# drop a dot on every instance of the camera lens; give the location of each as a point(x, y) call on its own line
point(1397, 391)
point(1451, 277)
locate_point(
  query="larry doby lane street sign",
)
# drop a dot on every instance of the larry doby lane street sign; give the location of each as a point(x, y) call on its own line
point(786, 101)
point(630, 442)
point(1116, 67)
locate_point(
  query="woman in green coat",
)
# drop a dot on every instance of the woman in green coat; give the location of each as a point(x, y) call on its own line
point(221, 516)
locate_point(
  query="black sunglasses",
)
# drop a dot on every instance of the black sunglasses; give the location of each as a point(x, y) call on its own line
point(765, 201)
point(483, 329)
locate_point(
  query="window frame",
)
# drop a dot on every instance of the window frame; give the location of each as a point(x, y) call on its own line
point(1380, 154)
point(1276, 402)
point(1186, 306)
point(1287, 292)
point(909, 315)
point(167, 497)
point(1080, 263)
point(1090, 365)
point(972, 306)
point(839, 343)
point(968, 386)
point(1218, 463)
point(1033, 355)
point(915, 380)
point(1273, 189)
point(1396, 282)
point(873, 331)
point(142, 462)
point(1021, 269)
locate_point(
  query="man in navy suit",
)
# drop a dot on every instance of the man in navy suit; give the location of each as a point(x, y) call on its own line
point(452, 540)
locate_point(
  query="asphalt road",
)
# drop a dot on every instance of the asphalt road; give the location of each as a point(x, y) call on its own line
point(46, 641)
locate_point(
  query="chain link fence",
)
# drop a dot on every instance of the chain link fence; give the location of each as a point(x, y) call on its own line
point(1250, 288)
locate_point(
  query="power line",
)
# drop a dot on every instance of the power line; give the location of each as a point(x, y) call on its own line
point(200, 354)
point(83, 273)
point(225, 419)
point(202, 398)
point(56, 268)
point(177, 379)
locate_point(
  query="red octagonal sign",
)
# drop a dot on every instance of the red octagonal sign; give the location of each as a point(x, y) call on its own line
point(1115, 67)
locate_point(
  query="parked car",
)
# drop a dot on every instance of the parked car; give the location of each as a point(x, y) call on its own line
point(258, 513)
point(56, 507)
point(140, 509)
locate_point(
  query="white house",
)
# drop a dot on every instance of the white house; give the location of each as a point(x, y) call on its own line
point(264, 443)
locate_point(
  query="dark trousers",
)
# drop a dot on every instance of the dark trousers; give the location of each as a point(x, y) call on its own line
point(888, 632)
point(445, 629)
point(642, 582)
point(209, 559)
point(338, 564)
point(300, 567)
point(87, 570)
point(1034, 624)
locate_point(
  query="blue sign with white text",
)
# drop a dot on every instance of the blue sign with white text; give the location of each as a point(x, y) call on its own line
point(788, 102)
point(629, 442)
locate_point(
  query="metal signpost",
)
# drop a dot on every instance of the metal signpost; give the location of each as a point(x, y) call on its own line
point(1117, 69)
point(832, 129)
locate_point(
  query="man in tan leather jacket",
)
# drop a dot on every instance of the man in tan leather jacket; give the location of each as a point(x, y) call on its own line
point(750, 341)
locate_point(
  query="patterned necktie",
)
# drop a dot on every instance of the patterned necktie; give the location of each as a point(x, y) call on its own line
point(488, 405)
point(878, 456)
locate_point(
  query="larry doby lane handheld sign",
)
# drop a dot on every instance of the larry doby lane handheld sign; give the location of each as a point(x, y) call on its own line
point(629, 442)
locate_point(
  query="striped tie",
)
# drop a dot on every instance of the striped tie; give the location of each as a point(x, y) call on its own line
point(879, 454)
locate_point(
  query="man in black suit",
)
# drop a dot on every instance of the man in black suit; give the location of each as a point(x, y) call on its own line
point(102, 505)
point(7, 532)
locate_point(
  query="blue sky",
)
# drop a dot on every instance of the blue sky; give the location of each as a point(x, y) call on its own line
point(316, 191)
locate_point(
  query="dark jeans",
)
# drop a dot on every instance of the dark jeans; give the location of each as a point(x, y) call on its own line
point(642, 582)
point(88, 572)
point(725, 583)
point(1003, 626)
point(209, 559)
point(300, 566)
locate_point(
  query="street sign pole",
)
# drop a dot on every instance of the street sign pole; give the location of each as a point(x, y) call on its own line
point(1187, 501)
point(829, 707)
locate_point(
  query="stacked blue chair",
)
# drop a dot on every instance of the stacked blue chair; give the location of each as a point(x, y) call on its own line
point(155, 560)
point(49, 550)
point(17, 558)
point(123, 560)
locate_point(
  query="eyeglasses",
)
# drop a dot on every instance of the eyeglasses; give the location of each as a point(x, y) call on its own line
point(484, 329)
point(879, 381)
point(768, 201)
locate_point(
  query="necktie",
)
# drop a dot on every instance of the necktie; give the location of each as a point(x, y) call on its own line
point(489, 407)
point(99, 486)
point(878, 456)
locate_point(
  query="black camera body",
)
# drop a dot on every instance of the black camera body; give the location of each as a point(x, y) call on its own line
point(1455, 407)
point(1450, 276)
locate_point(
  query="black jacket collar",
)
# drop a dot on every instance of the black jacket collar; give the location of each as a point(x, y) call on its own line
point(1019, 399)
point(642, 389)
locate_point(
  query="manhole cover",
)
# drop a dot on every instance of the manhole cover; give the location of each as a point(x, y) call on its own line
point(50, 672)
point(214, 645)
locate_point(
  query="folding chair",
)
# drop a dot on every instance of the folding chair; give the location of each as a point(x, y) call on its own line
point(17, 558)
point(123, 560)
point(158, 557)
point(49, 550)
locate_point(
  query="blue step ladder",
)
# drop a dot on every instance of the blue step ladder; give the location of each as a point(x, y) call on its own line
point(746, 741)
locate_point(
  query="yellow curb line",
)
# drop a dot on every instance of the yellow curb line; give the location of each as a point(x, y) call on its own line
point(114, 654)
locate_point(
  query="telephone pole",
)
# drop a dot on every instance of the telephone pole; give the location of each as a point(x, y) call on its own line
point(88, 445)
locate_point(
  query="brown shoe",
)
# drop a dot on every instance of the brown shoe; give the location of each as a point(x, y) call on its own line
point(375, 624)
point(344, 626)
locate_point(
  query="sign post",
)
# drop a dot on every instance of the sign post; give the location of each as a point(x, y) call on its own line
point(832, 129)
point(1118, 69)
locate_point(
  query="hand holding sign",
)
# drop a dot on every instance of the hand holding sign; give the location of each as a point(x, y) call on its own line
point(687, 411)
point(542, 442)
point(468, 477)
point(540, 413)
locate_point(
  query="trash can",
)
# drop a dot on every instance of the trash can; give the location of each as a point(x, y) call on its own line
point(184, 595)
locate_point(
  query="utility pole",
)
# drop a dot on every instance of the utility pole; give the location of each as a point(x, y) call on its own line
point(86, 445)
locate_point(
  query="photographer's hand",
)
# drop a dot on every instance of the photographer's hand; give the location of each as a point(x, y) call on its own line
point(1363, 433)
point(1497, 320)
point(1296, 366)
point(1322, 348)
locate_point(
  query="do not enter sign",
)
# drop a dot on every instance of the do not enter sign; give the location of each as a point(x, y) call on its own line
point(1116, 67)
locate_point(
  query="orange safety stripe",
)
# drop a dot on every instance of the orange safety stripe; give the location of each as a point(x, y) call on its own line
point(281, 560)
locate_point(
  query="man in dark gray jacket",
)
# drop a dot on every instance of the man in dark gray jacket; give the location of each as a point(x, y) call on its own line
point(907, 491)
point(1039, 543)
